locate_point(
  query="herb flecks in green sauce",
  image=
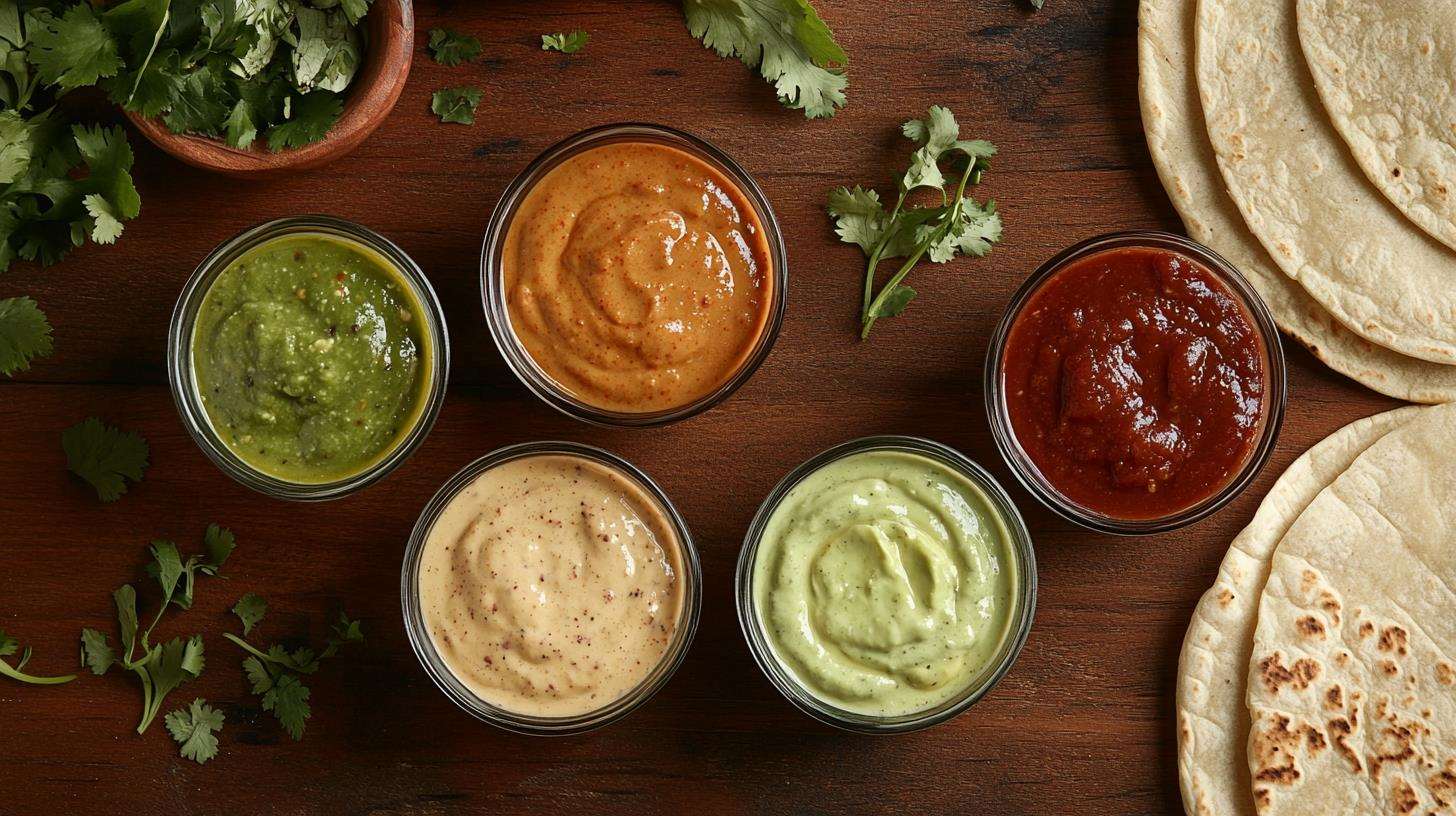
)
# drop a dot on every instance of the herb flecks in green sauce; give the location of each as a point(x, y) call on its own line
point(309, 357)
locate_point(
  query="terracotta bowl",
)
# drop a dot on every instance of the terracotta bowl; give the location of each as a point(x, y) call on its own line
point(369, 100)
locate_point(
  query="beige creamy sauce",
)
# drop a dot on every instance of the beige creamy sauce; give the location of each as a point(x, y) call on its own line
point(552, 585)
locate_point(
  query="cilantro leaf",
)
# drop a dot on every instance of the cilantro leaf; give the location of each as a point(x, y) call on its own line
point(105, 457)
point(313, 115)
point(250, 609)
point(9, 646)
point(195, 730)
point(219, 542)
point(258, 675)
point(785, 40)
point(25, 334)
point(111, 196)
point(96, 651)
point(959, 226)
point(288, 700)
point(450, 47)
point(565, 43)
point(199, 106)
point(456, 104)
point(73, 50)
point(240, 130)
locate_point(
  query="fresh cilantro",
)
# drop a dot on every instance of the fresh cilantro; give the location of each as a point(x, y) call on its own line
point(274, 674)
point(565, 43)
point(311, 118)
point(456, 104)
point(195, 730)
point(957, 225)
point(1037, 4)
point(785, 40)
point(25, 334)
point(250, 609)
point(450, 47)
point(73, 50)
point(166, 666)
point(9, 646)
point(104, 456)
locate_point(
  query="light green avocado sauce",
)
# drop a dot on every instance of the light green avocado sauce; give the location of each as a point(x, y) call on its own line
point(311, 357)
point(885, 583)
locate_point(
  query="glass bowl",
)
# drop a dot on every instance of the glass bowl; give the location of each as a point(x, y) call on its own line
point(424, 645)
point(494, 298)
point(1020, 462)
point(1021, 614)
point(183, 381)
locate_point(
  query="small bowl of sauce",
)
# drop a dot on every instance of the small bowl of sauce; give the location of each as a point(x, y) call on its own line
point(1136, 383)
point(633, 275)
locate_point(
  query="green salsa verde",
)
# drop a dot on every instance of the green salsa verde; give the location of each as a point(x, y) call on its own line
point(885, 583)
point(311, 357)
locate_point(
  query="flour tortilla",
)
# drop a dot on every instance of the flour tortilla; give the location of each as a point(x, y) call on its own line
point(1213, 722)
point(1178, 140)
point(1303, 196)
point(1386, 72)
point(1352, 685)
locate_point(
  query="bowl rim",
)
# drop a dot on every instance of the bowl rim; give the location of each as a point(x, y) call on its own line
point(366, 106)
point(492, 280)
point(1013, 642)
point(182, 379)
point(1276, 376)
point(423, 644)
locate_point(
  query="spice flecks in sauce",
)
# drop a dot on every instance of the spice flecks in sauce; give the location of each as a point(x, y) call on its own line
point(552, 585)
point(637, 276)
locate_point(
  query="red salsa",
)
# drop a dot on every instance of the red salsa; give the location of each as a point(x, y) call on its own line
point(1135, 382)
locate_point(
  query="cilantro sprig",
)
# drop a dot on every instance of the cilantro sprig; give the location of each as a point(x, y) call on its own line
point(276, 674)
point(163, 667)
point(450, 47)
point(195, 729)
point(456, 104)
point(25, 334)
point(565, 43)
point(785, 40)
point(957, 225)
point(105, 457)
point(8, 647)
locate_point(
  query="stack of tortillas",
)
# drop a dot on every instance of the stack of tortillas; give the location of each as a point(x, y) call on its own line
point(1312, 143)
point(1318, 675)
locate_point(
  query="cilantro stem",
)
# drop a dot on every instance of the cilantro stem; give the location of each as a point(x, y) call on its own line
point(924, 246)
point(14, 674)
point(874, 262)
point(149, 711)
point(247, 647)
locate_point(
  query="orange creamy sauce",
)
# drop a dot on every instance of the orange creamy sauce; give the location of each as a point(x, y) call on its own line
point(637, 276)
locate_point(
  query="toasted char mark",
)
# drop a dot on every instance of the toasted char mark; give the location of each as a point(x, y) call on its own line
point(1396, 744)
point(1445, 674)
point(1403, 797)
point(1315, 739)
point(1275, 675)
point(1394, 638)
point(1261, 799)
point(1366, 629)
point(1342, 658)
point(1339, 729)
point(1442, 784)
point(1307, 580)
point(1225, 597)
point(1310, 627)
point(1331, 606)
point(1274, 751)
point(1334, 698)
point(1389, 668)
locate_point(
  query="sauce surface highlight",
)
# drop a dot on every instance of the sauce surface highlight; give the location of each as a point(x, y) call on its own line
point(552, 585)
point(637, 276)
point(885, 583)
point(1135, 381)
point(310, 357)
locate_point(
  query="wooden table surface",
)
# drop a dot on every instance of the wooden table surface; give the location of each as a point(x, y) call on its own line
point(1082, 724)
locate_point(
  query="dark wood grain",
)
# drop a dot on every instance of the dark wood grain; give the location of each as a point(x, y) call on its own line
point(1081, 725)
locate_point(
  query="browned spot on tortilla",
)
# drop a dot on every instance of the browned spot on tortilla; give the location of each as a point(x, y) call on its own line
point(1315, 739)
point(1330, 605)
point(1389, 667)
point(1443, 784)
point(1273, 751)
point(1310, 627)
point(1396, 744)
point(1342, 658)
point(1339, 729)
point(1261, 798)
point(1308, 579)
point(1276, 675)
point(1225, 597)
point(1445, 674)
point(1394, 638)
point(1334, 698)
point(1403, 797)
point(1367, 629)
